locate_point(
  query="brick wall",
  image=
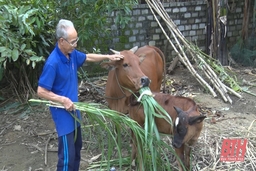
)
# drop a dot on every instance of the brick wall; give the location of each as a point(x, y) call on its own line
point(235, 21)
point(190, 17)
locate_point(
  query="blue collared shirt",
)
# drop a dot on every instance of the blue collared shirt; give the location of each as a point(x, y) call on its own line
point(60, 76)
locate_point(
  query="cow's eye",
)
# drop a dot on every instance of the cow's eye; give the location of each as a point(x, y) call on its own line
point(125, 65)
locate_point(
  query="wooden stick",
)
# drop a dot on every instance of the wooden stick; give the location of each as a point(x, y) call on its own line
point(233, 92)
point(238, 117)
point(181, 44)
point(183, 58)
point(173, 64)
point(45, 150)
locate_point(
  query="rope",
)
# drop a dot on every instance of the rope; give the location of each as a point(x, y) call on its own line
point(117, 98)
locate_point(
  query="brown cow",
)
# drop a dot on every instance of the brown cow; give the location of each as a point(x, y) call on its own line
point(129, 74)
point(187, 123)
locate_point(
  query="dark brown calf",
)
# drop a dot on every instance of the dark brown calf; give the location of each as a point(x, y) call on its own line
point(187, 123)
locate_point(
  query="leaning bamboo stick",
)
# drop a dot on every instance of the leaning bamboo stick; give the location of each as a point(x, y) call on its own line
point(215, 83)
point(196, 54)
point(177, 29)
point(222, 89)
point(232, 91)
point(184, 59)
point(215, 80)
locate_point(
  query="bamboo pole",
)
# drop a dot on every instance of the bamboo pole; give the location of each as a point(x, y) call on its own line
point(183, 47)
point(183, 58)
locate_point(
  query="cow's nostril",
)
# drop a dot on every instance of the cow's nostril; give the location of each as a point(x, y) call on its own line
point(145, 81)
point(174, 145)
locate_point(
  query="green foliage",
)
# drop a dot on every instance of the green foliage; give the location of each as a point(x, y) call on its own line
point(91, 19)
point(27, 31)
point(25, 37)
point(22, 24)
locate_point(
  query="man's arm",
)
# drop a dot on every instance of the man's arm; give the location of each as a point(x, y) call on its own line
point(49, 95)
point(91, 57)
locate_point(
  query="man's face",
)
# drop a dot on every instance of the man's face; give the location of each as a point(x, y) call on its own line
point(69, 44)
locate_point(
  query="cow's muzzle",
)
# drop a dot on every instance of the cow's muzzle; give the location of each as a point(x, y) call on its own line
point(145, 81)
point(176, 144)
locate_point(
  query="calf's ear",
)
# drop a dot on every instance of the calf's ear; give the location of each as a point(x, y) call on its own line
point(178, 110)
point(195, 119)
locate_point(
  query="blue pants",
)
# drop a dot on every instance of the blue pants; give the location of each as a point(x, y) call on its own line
point(69, 151)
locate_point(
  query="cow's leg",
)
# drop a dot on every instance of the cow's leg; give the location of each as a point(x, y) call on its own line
point(134, 147)
point(180, 154)
point(134, 156)
point(187, 156)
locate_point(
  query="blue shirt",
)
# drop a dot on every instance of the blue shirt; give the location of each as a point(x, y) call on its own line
point(60, 76)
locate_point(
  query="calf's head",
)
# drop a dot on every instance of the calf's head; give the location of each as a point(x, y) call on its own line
point(127, 70)
point(187, 127)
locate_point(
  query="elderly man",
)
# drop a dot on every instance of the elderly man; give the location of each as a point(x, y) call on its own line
point(59, 83)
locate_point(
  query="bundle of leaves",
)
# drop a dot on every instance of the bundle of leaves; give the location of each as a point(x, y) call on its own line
point(154, 152)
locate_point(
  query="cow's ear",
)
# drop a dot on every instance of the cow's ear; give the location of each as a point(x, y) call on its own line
point(108, 65)
point(141, 57)
point(196, 119)
point(134, 49)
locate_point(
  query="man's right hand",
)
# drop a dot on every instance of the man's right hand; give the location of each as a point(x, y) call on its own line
point(68, 104)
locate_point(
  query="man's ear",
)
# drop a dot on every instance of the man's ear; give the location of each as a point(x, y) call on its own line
point(195, 119)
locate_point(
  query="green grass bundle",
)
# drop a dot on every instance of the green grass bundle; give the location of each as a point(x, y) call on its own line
point(154, 150)
point(151, 110)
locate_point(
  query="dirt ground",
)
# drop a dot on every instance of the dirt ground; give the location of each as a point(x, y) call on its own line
point(25, 134)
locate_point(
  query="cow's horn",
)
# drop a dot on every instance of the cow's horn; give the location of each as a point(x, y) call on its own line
point(134, 49)
point(115, 52)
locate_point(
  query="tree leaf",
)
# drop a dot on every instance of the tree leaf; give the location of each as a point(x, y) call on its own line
point(35, 58)
point(33, 65)
point(38, 23)
point(28, 61)
point(22, 47)
point(29, 52)
point(2, 59)
point(2, 48)
point(15, 54)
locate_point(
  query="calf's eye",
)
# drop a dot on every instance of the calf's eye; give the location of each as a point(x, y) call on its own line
point(182, 131)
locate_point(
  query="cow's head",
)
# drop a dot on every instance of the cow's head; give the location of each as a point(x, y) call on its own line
point(127, 70)
point(186, 126)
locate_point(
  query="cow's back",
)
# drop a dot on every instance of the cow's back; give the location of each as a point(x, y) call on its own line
point(168, 102)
